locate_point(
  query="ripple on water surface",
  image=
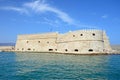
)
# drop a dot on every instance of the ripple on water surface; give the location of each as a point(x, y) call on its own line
point(47, 66)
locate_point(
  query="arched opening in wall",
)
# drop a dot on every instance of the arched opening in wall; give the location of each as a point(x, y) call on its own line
point(38, 41)
point(93, 34)
point(90, 50)
point(66, 50)
point(50, 49)
point(33, 49)
point(73, 35)
point(27, 42)
point(13, 48)
point(81, 34)
point(48, 42)
point(29, 49)
point(17, 49)
point(76, 50)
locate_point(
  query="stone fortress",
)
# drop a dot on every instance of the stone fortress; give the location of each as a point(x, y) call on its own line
point(73, 42)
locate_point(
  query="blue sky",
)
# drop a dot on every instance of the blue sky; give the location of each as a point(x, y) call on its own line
point(40, 16)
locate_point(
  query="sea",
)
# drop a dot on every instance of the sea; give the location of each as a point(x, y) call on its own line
point(51, 66)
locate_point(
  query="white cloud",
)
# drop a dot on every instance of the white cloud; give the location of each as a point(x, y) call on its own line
point(40, 6)
point(55, 23)
point(21, 10)
point(104, 16)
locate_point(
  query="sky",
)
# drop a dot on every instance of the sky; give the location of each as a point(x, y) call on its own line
point(41, 16)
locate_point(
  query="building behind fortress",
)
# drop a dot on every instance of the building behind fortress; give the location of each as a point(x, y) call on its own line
point(75, 42)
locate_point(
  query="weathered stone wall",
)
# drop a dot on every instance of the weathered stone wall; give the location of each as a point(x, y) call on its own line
point(107, 47)
point(80, 42)
point(82, 35)
point(83, 41)
point(39, 42)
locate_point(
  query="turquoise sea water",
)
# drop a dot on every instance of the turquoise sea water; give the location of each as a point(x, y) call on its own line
point(47, 66)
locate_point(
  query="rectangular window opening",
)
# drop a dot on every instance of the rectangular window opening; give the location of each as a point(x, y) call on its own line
point(50, 49)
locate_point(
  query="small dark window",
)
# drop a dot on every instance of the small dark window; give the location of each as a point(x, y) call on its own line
point(76, 50)
point(29, 49)
point(22, 48)
point(93, 34)
point(66, 50)
point(47, 42)
point(90, 50)
point(27, 41)
point(38, 41)
point(73, 35)
point(103, 49)
point(17, 49)
point(50, 49)
point(55, 49)
point(33, 49)
point(81, 34)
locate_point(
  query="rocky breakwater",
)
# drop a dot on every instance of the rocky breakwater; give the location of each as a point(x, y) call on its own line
point(7, 48)
point(116, 49)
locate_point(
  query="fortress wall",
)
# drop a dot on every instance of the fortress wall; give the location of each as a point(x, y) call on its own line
point(37, 42)
point(81, 35)
point(81, 42)
point(37, 36)
point(107, 46)
point(35, 45)
point(81, 47)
